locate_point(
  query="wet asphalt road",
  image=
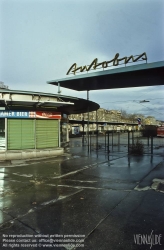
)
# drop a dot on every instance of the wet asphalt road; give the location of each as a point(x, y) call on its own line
point(108, 199)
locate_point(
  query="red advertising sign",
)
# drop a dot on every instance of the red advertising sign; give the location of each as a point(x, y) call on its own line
point(48, 115)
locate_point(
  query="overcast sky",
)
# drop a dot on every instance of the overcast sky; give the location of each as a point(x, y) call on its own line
point(41, 39)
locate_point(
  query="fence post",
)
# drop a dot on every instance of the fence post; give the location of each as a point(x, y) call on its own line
point(118, 138)
point(90, 141)
point(97, 140)
point(105, 140)
point(132, 137)
point(112, 139)
point(83, 133)
point(128, 141)
point(108, 141)
point(151, 144)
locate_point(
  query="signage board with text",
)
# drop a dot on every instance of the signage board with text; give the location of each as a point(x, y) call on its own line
point(30, 114)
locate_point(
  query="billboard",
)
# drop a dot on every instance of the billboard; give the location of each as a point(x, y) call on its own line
point(30, 114)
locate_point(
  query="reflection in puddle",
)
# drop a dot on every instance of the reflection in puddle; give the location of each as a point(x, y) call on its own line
point(2, 180)
point(24, 175)
point(1, 191)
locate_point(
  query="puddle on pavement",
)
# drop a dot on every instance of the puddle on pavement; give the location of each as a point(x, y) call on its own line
point(23, 175)
point(161, 187)
point(108, 164)
point(76, 156)
point(157, 185)
point(5, 163)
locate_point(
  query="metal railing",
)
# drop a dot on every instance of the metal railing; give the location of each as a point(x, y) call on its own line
point(118, 141)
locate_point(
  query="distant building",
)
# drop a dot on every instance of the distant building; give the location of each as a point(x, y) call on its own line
point(111, 116)
point(150, 120)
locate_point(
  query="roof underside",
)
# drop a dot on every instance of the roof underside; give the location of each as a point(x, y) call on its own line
point(148, 74)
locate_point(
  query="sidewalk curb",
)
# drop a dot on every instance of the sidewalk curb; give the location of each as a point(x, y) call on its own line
point(28, 154)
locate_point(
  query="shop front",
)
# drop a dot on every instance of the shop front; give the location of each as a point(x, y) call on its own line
point(35, 124)
point(21, 130)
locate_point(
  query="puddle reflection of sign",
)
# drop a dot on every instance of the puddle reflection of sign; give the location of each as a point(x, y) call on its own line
point(75, 130)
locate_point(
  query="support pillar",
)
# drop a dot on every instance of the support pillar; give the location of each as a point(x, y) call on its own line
point(83, 131)
point(88, 122)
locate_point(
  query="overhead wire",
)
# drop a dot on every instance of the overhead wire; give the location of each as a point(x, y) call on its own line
point(151, 109)
point(137, 101)
point(129, 100)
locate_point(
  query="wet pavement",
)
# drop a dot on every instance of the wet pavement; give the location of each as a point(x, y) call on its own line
point(98, 201)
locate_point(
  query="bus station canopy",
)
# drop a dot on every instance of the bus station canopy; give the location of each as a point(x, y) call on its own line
point(148, 74)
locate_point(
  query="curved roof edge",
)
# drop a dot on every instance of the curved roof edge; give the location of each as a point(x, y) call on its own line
point(12, 99)
point(24, 92)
